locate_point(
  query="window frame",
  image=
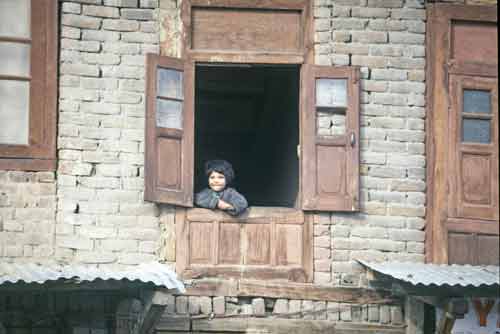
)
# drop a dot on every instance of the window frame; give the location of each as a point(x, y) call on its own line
point(40, 153)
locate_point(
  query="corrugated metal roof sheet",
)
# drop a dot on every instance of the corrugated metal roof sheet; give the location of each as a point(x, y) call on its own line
point(156, 273)
point(439, 275)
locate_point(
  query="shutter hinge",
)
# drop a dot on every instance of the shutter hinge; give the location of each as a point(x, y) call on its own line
point(298, 151)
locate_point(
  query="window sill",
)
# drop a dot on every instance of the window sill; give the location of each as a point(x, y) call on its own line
point(254, 214)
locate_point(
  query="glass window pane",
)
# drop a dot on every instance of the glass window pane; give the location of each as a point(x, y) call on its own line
point(476, 130)
point(170, 83)
point(15, 59)
point(331, 93)
point(169, 114)
point(477, 101)
point(15, 18)
point(14, 112)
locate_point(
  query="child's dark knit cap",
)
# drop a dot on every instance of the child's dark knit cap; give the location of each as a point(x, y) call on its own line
point(220, 166)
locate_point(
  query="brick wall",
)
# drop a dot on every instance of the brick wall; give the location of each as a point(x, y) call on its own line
point(102, 217)
point(386, 39)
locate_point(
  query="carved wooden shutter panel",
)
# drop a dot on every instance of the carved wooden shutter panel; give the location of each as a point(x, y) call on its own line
point(169, 131)
point(330, 138)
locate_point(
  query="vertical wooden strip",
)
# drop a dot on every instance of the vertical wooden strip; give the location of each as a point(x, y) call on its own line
point(215, 242)
point(182, 241)
point(307, 247)
point(273, 243)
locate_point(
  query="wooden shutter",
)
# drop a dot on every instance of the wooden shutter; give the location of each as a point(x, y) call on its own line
point(169, 131)
point(329, 138)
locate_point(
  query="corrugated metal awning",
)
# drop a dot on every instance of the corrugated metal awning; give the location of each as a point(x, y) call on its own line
point(156, 273)
point(427, 275)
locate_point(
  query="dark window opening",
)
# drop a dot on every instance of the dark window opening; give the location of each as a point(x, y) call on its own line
point(249, 115)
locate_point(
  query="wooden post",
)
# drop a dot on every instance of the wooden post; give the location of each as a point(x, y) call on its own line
point(414, 316)
point(155, 303)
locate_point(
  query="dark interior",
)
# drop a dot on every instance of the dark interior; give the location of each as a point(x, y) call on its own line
point(249, 115)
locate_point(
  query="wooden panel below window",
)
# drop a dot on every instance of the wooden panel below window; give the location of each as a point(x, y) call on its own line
point(255, 245)
point(201, 243)
point(289, 245)
point(229, 245)
point(258, 244)
point(169, 161)
point(248, 30)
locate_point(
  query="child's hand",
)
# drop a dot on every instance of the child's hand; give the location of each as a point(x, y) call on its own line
point(224, 205)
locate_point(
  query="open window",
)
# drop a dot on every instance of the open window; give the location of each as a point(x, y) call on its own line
point(285, 129)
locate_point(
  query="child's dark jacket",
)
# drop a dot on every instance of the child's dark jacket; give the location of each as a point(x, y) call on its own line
point(207, 198)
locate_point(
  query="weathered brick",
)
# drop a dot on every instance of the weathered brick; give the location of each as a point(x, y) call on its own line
point(100, 35)
point(80, 21)
point(258, 306)
point(102, 58)
point(407, 235)
point(370, 12)
point(351, 48)
point(372, 37)
point(80, 69)
point(120, 25)
point(119, 245)
point(86, 46)
point(122, 3)
point(70, 32)
point(101, 11)
point(99, 208)
point(149, 3)
point(100, 108)
point(73, 8)
point(333, 311)
point(219, 305)
point(408, 13)
point(97, 232)
point(370, 61)
point(322, 12)
point(281, 306)
point(95, 257)
point(406, 38)
point(75, 242)
point(389, 74)
point(385, 3)
point(137, 14)
point(349, 24)
point(307, 309)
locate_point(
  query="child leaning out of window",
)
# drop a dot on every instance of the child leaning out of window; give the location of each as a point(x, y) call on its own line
point(218, 195)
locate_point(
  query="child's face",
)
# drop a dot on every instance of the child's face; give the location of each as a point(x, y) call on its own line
point(217, 181)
